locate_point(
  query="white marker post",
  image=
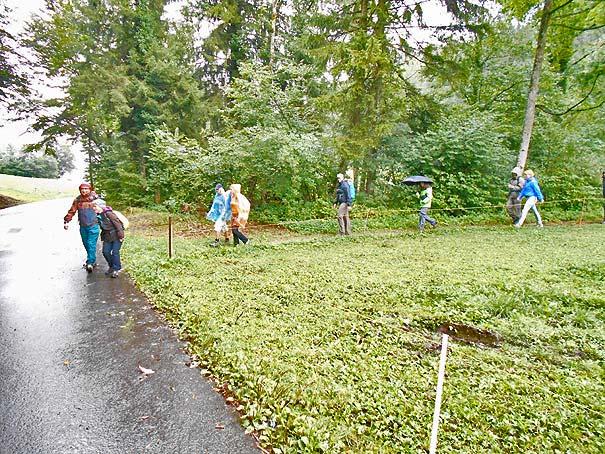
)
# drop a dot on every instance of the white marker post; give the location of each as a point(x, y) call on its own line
point(440, 379)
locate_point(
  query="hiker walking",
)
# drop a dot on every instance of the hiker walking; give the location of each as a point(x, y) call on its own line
point(89, 224)
point(112, 236)
point(220, 214)
point(515, 184)
point(240, 209)
point(426, 199)
point(343, 204)
point(532, 191)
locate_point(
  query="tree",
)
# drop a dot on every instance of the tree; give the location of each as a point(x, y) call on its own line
point(124, 75)
point(65, 160)
point(20, 163)
point(13, 83)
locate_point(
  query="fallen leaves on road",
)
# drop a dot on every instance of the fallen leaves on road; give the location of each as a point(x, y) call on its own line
point(145, 371)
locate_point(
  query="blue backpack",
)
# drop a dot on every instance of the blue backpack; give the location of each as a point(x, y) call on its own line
point(351, 190)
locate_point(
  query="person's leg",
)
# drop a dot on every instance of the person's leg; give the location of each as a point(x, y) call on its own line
point(528, 204)
point(107, 245)
point(90, 236)
point(429, 219)
point(225, 232)
point(422, 218)
point(537, 214)
point(115, 254)
point(347, 221)
point(218, 226)
point(237, 233)
point(517, 210)
point(511, 207)
point(342, 212)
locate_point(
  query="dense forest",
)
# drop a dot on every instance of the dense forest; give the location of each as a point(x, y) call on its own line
point(280, 95)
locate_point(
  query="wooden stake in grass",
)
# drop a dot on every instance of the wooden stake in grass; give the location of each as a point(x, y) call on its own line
point(170, 237)
point(440, 379)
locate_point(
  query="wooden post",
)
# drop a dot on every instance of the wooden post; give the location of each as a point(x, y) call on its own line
point(440, 379)
point(169, 236)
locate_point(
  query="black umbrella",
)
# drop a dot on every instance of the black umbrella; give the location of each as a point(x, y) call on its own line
point(416, 179)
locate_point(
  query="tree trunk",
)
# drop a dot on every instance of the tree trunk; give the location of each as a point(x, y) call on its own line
point(530, 111)
point(274, 15)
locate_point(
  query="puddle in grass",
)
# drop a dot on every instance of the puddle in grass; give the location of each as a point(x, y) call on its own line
point(470, 335)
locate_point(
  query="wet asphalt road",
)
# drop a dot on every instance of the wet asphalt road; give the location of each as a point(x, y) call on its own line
point(70, 347)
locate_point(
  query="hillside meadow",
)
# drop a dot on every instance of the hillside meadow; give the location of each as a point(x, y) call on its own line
point(328, 344)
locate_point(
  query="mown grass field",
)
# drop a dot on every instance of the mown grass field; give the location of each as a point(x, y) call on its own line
point(35, 189)
point(329, 344)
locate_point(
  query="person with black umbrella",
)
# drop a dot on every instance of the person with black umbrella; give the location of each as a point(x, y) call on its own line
point(426, 198)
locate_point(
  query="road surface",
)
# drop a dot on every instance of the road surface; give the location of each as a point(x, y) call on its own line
point(71, 344)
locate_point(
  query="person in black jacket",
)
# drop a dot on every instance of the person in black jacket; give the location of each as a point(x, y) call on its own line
point(343, 204)
point(112, 236)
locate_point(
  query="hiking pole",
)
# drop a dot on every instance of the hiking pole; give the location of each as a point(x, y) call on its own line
point(440, 379)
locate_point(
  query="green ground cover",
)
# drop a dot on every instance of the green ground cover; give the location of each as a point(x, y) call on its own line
point(34, 189)
point(329, 344)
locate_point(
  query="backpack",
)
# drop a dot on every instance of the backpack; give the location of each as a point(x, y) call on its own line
point(123, 219)
point(244, 206)
point(351, 190)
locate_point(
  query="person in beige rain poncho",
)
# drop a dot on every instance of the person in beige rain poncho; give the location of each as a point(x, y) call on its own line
point(240, 210)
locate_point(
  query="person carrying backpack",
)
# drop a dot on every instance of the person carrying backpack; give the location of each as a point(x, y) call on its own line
point(89, 224)
point(343, 205)
point(515, 184)
point(112, 236)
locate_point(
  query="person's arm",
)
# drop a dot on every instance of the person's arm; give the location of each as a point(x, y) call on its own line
point(71, 212)
point(539, 192)
point(116, 223)
point(524, 190)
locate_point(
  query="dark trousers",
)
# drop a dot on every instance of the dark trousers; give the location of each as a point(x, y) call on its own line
point(238, 236)
point(111, 252)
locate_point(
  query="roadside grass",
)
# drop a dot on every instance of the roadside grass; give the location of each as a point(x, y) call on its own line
point(328, 344)
point(35, 189)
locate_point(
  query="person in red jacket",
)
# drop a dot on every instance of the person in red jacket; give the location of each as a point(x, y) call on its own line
point(89, 224)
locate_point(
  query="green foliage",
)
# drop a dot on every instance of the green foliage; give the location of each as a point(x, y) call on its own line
point(13, 81)
point(322, 355)
point(464, 154)
point(25, 164)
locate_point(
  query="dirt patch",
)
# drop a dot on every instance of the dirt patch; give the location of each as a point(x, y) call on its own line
point(6, 202)
point(471, 335)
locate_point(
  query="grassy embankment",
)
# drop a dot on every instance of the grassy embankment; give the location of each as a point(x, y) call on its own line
point(330, 344)
point(23, 189)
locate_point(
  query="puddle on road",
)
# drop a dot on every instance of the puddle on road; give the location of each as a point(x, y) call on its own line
point(471, 335)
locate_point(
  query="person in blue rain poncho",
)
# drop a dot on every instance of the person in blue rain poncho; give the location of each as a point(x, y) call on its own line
point(220, 214)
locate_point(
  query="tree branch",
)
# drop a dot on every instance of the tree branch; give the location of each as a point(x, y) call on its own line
point(573, 108)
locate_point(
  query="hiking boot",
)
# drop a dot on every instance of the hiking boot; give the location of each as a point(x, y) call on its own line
point(214, 244)
point(114, 274)
point(89, 268)
point(108, 272)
